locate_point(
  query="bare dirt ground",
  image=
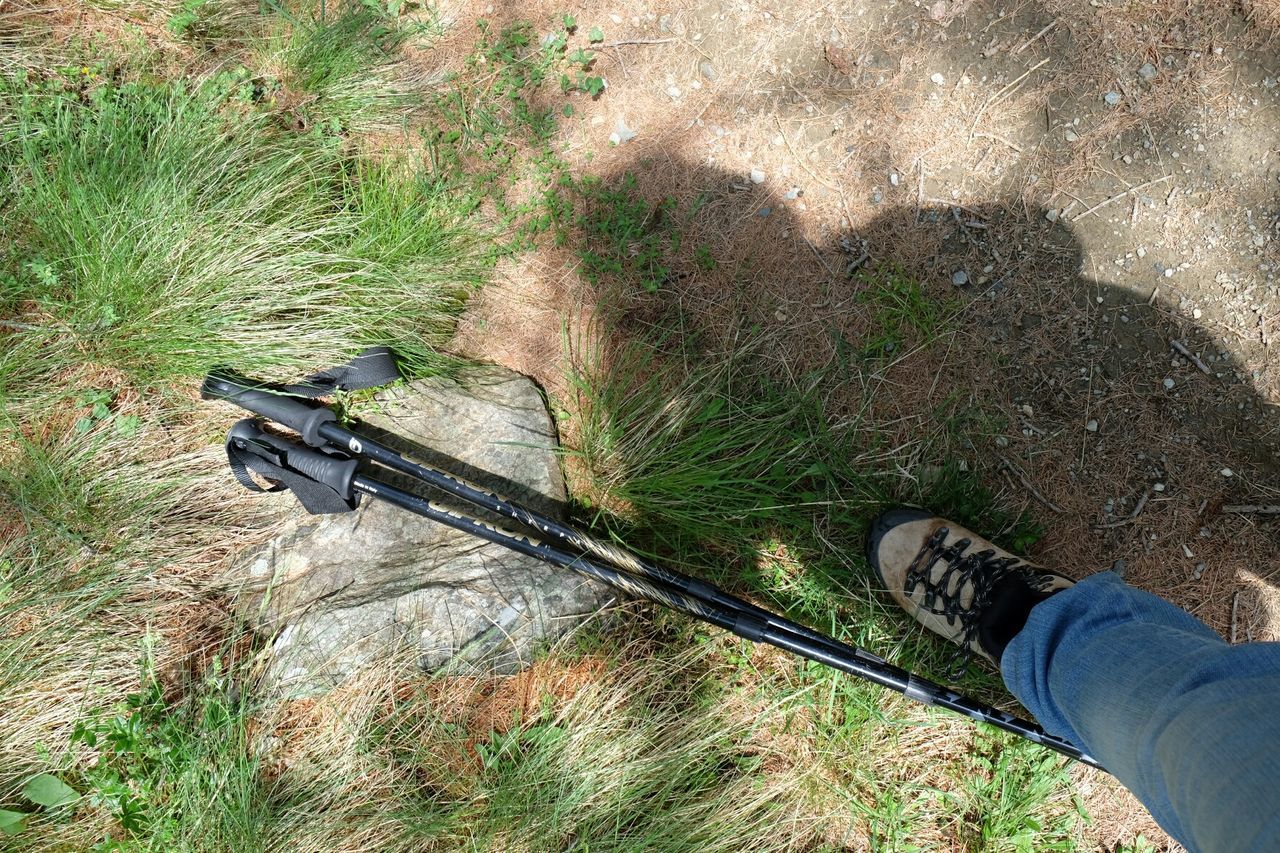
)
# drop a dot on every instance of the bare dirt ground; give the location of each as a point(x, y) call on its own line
point(1092, 186)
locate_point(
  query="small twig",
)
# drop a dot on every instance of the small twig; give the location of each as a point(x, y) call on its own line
point(1119, 196)
point(818, 255)
point(998, 138)
point(626, 42)
point(1235, 604)
point(1137, 511)
point(1026, 483)
point(1186, 353)
point(1252, 509)
point(1026, 44)
point(919, 186)
point(999, 96)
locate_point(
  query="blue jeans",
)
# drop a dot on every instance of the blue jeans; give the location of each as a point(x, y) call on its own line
point(1189, 724)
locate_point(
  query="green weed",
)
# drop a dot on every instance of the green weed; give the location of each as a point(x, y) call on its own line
point(901, 311)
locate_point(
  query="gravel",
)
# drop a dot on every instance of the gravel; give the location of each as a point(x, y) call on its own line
point(959, 278)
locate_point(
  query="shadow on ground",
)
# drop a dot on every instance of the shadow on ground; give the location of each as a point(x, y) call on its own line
point(965, 337)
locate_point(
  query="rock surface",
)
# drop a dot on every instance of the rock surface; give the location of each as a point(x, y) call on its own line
point(340, 592)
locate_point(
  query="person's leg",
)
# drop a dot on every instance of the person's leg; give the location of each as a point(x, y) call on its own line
point(1188, 723)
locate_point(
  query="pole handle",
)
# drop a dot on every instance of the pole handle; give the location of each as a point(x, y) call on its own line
point(336, 472)
point(268, 402)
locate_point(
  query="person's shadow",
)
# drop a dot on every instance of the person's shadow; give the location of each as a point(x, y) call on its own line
point(968, 336)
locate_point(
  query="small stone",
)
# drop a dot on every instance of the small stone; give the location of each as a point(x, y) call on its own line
point(1071, 135)
point(1168, 273)
point(622, 133)
point(780, 315)
point(1111, 98)
point(764, 212)
point(1197, 313)
point(1092, 425)
point(1142, 251)
point(1168, 383)
point(1200, 570)
point(706, 69)
point(1001, 441)
point(1148, 71)
point(894, 179)
point(937, 78)
point(959, 278)
point(1227, 472)
point(617, 19)
point(1186, 552)
point(1026, 409)
point(792, 194)
point(1051, 214)
point(673, 91)
point(757, 176)
point(1158, 487)
point(877, 197)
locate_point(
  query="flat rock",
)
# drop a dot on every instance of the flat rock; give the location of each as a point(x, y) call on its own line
point(341, 592)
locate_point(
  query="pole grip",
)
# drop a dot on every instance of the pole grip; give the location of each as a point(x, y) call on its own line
point(336, 472)
point(268, 402)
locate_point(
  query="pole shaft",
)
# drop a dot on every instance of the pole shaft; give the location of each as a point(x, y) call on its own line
point(570, 537)
point(830, 652)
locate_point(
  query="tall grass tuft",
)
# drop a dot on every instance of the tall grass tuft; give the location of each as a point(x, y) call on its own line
point(165, 228)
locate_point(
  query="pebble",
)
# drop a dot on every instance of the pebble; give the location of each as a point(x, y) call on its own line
point(617, 19)
point(1227, 472)
point(1199, 572)
point(764, 212)
point(1001, 441)
point(877, 197)
point(1111, 98)
point(622, 133)
point(1158, 487)
point(894, 179)
point(937, 78)
point(959, 278)
point(757, 176)
point(1071, 135)
point(1148, 71)
point(1092, 425)
point(673, 91)
point(706, 69)
point(792, 194)
point(1168, 383)
point(1197, 313)
point(1051, 214)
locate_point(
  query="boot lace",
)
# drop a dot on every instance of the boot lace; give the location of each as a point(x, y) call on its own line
point(981, 570)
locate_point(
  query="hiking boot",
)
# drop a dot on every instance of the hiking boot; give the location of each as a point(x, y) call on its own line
point(956, 583)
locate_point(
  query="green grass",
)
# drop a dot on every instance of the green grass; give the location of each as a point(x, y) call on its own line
point(166, 228)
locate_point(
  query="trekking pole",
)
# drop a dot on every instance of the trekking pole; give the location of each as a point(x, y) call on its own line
point(303, 469)
point(318, 427)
